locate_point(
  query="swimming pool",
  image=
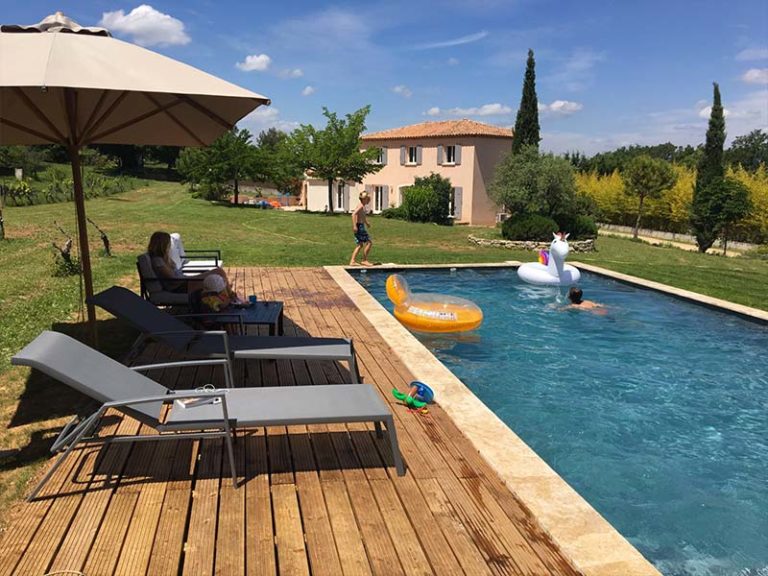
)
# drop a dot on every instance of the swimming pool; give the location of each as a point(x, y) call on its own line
point(657, 412)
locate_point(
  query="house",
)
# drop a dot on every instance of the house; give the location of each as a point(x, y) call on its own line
point(464, 151)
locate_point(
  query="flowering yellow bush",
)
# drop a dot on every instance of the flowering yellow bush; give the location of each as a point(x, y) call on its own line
point(671, 211)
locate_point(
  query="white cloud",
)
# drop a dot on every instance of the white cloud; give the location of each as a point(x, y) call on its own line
point(453, 42)
point(264, 118)
point(434, 111)
point(561, 108)
point(756, 76)
point(291, 73)
point(403, 90)
point(146, 26)
point(753, 54)
point(453, 61)
point(255, 62)
point(575, 72)
point(494, 109)
point(308, 91)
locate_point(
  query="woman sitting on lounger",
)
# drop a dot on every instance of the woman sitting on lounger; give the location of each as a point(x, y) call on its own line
point(159, 250)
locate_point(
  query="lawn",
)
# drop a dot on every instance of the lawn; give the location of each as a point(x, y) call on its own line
point(31, 299)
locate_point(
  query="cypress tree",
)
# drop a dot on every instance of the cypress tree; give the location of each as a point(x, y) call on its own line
point(709, 177)
point(527, 121)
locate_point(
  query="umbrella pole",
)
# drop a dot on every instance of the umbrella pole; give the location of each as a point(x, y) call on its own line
point(82, 230)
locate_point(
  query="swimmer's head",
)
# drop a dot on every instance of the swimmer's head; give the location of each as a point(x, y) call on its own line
point(575, 295)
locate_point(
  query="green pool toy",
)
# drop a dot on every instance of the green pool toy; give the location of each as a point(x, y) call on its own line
point(409, 400)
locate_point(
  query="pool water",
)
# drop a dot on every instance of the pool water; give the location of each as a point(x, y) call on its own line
point(656, 412)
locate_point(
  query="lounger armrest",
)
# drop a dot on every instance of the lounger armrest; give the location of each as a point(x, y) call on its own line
point(147, 367)
point(210, 252)
point(167, 398)
point(235, 318)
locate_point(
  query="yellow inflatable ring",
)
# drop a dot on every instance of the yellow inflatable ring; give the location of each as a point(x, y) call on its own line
point(431, 312)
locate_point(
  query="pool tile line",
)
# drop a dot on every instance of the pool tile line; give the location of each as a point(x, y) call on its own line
point(593, 546)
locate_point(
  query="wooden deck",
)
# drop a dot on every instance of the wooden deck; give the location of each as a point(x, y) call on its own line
point(312, 499)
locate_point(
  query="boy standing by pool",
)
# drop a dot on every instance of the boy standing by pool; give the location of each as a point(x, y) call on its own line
point(359, 223)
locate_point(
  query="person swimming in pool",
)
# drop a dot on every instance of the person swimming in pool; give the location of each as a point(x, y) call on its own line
point(576, 297)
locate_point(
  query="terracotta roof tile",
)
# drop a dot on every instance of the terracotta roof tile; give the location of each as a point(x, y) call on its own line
point(463, 127)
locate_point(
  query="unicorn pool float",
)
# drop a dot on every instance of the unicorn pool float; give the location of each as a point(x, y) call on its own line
point(551, 267)
point(431, 312)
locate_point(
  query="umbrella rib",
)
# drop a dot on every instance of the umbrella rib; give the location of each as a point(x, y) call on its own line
point(135, 120)
point(176, 121)
point(39, 113)
point(28, 130)
point(200, 108)
point(103, 117)
point(96, 110)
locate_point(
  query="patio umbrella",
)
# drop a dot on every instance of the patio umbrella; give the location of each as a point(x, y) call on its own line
point(65, 84)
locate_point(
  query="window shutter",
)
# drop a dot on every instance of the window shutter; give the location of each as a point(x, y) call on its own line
point(346, 198)
point(457, 194)
point(440, 155)
point(457, 154)
point(418, 155)
point(385, 197)
point(403, 152)
point(369, 189)
point(384, 156)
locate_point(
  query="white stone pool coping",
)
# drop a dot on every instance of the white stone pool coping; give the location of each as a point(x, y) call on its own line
point(592, 544)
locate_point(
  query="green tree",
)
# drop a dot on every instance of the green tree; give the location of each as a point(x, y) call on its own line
point(527, 121)
point(704, 218)
point(647, 177)
point(734, 205)
point(229, 159)
point(333, 153)
point(276, 163)
point(167, 155)
point(749, 151)
point(533, 183)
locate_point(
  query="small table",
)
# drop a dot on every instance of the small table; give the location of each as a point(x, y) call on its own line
point(262, 313)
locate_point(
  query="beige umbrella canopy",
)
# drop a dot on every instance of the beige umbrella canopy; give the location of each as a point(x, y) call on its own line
point(65, 84)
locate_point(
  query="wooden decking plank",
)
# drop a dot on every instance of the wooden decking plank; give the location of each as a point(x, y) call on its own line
point(260, 542)
point(168, 546)
point(231, 536)
point(427, 529)
point(106, 547)
point(289, 537)
point(453, 528)
point(199, 551)
point(383, 553)
point(407, 541)
point(74, 550)
point(321, 547)
point(135, 554)
point(349, 541)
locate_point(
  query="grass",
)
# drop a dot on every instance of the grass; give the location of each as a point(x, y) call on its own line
point(32, 300)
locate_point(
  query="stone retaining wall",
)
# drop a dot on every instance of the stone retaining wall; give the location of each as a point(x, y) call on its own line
point(575, 246)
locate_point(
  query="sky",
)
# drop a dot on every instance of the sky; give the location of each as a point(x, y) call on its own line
point(608, 73)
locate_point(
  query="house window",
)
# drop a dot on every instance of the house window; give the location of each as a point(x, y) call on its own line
point(413, 156)
point(378, 198)
point(380, 157)
point(340, 196)
point(450, 155)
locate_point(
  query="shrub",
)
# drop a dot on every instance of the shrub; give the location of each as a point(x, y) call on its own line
point(422, 204)
point(579, 226)
point(396, 213)
point(529, 227)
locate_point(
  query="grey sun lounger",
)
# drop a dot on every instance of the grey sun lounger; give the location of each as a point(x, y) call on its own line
point(125, 389)
point(159, 325)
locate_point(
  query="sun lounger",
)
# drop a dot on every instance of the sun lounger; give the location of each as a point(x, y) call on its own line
point(155, 323)
point(220, 411)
